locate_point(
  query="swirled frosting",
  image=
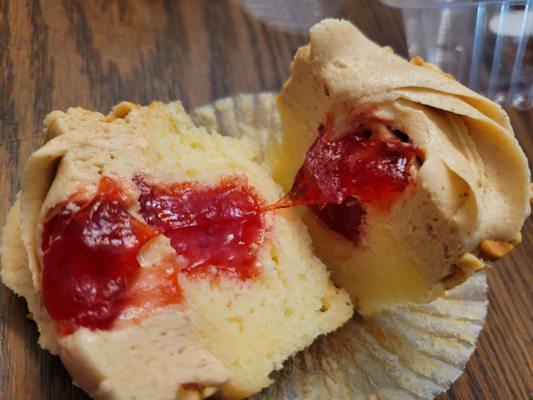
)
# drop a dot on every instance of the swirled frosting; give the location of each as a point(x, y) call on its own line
point(471, 191)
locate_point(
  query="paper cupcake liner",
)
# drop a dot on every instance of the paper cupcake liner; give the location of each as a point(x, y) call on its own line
point(412, 352)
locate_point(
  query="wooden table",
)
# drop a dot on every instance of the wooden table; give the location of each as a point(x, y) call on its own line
point(55, 54)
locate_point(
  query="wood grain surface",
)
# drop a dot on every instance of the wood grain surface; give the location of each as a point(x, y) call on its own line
point(60, 53)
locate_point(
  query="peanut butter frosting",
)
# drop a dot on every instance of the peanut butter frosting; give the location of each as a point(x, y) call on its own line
point(471, 191)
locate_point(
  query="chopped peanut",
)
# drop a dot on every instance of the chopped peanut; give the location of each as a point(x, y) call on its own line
point(121, 110)
point(466, 265)
point(208, 391)
point(193, 391)
point(470, 263)
point(188, 394)
point(516, 238)
point(418, 61)
point(493, 250)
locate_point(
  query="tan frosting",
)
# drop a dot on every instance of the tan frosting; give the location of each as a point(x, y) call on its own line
point(473, 184)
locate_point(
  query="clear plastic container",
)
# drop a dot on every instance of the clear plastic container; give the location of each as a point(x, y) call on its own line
point(486, 45)
point(295, 16)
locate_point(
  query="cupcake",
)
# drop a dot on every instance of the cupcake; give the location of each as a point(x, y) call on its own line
point(409, 181)
point(151, 263)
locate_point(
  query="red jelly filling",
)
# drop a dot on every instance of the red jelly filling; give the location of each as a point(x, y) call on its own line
point(339, 177)
point(213, 230)
point(91, 274)
point(90, 271)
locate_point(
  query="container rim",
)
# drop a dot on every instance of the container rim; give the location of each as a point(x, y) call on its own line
point(433, 4)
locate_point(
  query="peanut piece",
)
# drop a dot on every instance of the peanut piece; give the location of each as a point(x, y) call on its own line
point(493, 250)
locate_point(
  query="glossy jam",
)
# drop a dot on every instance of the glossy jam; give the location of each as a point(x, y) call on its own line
point(345, 218)
point(339, 177)
point(213, 230)
point(91, 275)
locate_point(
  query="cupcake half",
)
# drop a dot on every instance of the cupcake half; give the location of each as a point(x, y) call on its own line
point(410, 180)
point(151, 264)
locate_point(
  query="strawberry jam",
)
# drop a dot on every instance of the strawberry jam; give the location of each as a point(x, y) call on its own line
point(213, 230)
point(91, 275)
point(339, 177)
